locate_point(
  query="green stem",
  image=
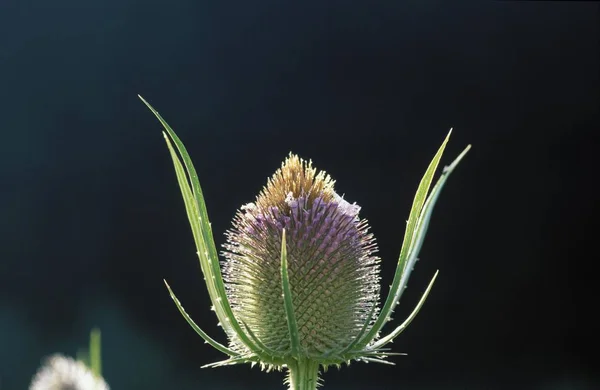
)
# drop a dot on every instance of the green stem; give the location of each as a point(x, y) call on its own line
point(304, 375)
point(95, 353)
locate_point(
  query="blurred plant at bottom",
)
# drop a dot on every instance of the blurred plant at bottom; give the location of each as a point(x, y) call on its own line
point(61, 372)
point(300, 285)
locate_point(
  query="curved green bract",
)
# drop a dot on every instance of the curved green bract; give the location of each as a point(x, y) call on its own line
point(416, 245)
point(202, 232)
point(201, 333)
point(390, 337)
point(396, 288)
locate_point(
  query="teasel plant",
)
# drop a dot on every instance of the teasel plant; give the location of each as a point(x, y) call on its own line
point(61, 372)
point(298, 288)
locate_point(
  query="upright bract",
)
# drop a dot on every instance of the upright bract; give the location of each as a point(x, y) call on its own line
point(299, 285)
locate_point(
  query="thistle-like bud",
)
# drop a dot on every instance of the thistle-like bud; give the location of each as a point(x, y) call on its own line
point(64, 373)
point(333, 273)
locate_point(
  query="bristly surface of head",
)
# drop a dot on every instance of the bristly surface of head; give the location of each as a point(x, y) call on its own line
point(333, 272)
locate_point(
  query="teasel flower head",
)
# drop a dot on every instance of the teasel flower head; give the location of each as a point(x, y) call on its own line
point(298, 287)
point(332, 272)
point(64, 373)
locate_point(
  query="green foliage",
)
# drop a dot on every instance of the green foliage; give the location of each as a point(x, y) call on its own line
point(92, 356)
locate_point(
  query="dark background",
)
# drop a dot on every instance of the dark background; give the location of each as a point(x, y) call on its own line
point(92, 219)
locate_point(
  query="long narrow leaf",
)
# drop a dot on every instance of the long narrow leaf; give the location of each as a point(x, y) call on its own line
point(192, 213)
point(389, 338)
point(205, 243)
point(198, 330)
point(423, 224)
point(415, 212)
point(415, 247)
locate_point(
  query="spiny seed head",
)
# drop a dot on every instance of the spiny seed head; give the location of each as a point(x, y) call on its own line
point(64, 373)
point(333, 273)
